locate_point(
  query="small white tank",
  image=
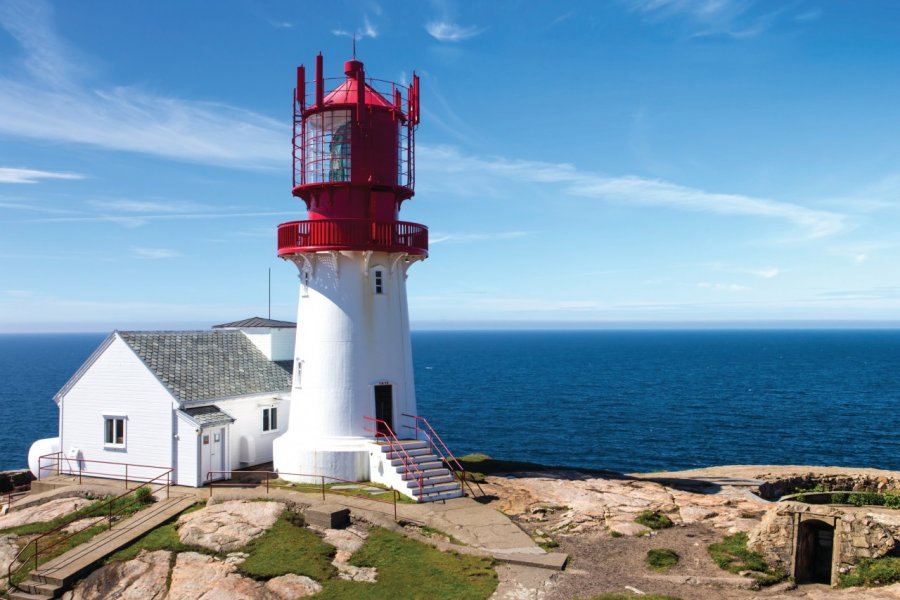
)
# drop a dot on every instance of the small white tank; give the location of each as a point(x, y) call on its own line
point(39, 449)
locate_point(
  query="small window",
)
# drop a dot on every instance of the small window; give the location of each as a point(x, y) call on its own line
point(304, 284)
point(379, 281)
point(298, 373)
point(114, 431)
point(270, 419)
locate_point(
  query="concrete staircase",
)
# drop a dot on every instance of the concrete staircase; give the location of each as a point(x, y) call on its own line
point(438, 483)
point(51, 578)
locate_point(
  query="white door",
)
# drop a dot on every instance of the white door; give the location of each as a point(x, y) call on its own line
point(212, 454)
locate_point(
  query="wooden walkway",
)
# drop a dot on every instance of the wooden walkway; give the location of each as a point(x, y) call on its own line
point(51, 577)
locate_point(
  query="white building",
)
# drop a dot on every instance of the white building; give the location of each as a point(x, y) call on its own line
point(199, 402)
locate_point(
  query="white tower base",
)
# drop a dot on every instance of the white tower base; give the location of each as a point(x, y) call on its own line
point(305, 461)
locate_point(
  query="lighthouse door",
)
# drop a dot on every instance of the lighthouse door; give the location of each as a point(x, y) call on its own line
point(384, 407)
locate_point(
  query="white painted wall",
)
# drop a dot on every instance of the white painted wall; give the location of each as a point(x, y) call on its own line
point(187, 468)
point(119, 384)
point(275, 343)
point(348, 340)
point(247, 430)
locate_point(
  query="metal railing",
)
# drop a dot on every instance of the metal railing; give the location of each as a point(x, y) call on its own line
point(352, 234)
point(269, 475)
point(383, 431)
point(105, 469)
point(440, 448)
point(42, 546)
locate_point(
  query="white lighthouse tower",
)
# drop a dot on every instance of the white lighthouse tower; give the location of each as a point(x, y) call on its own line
point(353, 385)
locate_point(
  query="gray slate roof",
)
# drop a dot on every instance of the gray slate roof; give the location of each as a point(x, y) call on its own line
point(208, 415)
point(257, 322)
point(198, 366)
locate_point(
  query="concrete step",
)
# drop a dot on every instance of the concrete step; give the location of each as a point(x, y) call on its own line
point(48, 579)
point(435, 497)
point(426, 481)
point(419, 459)
point(431, 489)
point(439, 472)
point(411, 452)
point(407, 445)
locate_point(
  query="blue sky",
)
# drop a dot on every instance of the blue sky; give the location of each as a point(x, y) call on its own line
point(620, 163)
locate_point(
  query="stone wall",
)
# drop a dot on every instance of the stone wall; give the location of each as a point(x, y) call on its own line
point(859, 533)
point(773, 490)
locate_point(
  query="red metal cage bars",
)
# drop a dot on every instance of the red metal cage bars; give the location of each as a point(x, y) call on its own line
point(352, 234)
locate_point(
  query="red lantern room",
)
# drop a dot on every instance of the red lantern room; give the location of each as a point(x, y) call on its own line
point(354, 164)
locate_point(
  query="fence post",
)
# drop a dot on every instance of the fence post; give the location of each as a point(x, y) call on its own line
point(323, 488)
point(110, 514)
point(394, 497)
point(35, 554)
point(168, 482)
point(267, 483)
point(126, 476)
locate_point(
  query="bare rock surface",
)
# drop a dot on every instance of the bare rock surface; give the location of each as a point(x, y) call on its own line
point(576, 502)
point(347, 541)
point(228, 526)
point(143, 578)
point(201, 577)
point(42, 512)
point(8, 551)
point(289, 587)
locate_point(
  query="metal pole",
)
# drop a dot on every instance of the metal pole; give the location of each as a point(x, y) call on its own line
point(323, 488)
point(394, 497)
point(267, 483)
point(35, 554)
point(110, 514)
point(126, 476)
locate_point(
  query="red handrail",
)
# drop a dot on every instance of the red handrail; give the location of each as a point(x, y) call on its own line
point(352, 234)
point(77, 468)
point(392, 441)
point(446, 455)
point(38, 549)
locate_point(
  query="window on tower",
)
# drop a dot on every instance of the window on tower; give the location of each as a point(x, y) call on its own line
point(326, 146)
point(379, 281)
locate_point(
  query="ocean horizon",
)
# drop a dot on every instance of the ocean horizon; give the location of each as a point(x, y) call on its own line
point(625, 400)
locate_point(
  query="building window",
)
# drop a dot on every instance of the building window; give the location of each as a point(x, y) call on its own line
point(379, 281)
point(114, 432)
point(304, 287)
point(270, 419)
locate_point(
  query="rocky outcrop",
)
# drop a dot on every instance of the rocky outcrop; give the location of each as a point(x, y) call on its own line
point(572, 502)
point(347, 541)
point(201, 577)
point(289, 587)
point(42, 512)
point(143, 578)
point(228, 526)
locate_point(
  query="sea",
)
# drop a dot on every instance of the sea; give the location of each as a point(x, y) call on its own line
point(626, 401)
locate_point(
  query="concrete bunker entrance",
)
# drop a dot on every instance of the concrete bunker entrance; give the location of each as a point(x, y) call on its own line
point(814, 553)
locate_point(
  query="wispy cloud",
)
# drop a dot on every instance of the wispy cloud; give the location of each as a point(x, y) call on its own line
point(448, 31)
point(145, 206)
point(14, 175)
point(631, 190)
point(366, 30)
point(52, 101)
point(154, 253)
point(439, 238)
point(735, 19)
point(281, 24)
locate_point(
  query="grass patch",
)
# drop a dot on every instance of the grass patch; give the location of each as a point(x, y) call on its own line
point(653, 520)
point(733, 555)
point(316, 488)
point(662, 559)
point(872, 572)
point(409, 569)
point(164, 537)
point(288, 547)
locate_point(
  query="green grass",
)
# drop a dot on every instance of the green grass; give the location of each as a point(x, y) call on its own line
point(662, 559)
point(732, 555)
point(316, 488)
point(121, 507)
point(164, 537)
point(410, 570)
point(872, 572)
point(653, 520)
point(288, 547)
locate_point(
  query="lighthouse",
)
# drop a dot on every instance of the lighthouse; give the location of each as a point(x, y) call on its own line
point(352, 389)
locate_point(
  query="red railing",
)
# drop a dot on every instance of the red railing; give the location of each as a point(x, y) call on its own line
point(269, 475)
point(352, 234)
point(383, 431)
point(42, 547)
point(440, 448)
point(105, 469)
